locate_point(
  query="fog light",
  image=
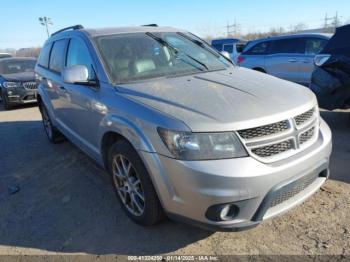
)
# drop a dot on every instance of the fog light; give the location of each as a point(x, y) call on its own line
point(222, 212)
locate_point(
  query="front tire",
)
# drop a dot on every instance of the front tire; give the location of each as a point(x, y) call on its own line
point(52, 133)
point(5, 102)
point(133, 185)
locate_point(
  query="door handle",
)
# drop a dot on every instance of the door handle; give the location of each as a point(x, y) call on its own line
point(305, 61)
point(63, 89)
point(292, 60)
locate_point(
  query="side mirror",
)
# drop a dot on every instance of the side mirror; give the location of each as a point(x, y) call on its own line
point(226, 54)
point(76, 74)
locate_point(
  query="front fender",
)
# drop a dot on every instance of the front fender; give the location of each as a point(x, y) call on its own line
point(127, 129)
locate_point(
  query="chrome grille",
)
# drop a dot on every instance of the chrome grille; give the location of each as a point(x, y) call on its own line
point(291, 190)
point(276, 141)
point(30, 85)
point(263, 131)
point(274, 149)
point(307, 135)
point(304, 118)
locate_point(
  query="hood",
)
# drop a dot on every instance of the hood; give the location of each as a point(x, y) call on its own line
point(19, 77)
point(232, 99)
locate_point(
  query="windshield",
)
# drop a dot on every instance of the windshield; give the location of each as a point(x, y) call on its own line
point(133, 57)
point(16, 66)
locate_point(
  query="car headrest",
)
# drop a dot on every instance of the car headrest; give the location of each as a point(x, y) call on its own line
point(144, 65)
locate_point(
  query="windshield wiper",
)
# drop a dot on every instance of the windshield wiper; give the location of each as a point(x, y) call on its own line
point(204, 45)
point(177, 51)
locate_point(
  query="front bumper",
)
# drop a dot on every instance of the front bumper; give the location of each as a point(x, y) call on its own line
point(21, 95)
point(188, 188)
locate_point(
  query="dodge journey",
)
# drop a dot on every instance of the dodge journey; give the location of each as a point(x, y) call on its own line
point(183, 132)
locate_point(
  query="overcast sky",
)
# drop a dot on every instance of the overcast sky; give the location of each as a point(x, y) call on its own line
point(20, 26)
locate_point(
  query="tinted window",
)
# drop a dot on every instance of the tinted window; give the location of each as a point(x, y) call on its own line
point(228, 48)
point(314, 45)
point(217, 47)
point(57, 55)
point(240, 48)
point(78, 54)
point(259, 49)
point(17, 66)
point(5, 56)
point(45, 55)
point(286, 46)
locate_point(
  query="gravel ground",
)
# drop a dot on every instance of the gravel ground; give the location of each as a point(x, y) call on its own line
point(65, 204)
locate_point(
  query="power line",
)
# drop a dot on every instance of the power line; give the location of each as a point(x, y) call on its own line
point(235, 29)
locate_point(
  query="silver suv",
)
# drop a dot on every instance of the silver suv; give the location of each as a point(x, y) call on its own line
point(182, 131)
point(290, 57)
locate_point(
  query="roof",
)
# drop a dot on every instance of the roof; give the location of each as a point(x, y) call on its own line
point(9, 59)
point(93, 32)
point(293, 35)
point(226, 40)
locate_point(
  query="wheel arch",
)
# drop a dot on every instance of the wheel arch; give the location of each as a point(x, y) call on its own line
point(259, 69)
point(116, 128)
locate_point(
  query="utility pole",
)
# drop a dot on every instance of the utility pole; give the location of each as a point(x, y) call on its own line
point(235, 27)
point(46, 21)
point(336, 20)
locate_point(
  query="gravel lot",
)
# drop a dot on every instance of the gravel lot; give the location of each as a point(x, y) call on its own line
point(66, 205)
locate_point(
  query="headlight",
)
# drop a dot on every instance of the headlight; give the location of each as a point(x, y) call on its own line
point(11, 84)
point(202, 146)
point(319, 60)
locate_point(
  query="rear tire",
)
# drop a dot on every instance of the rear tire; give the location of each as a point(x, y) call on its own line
point(260, 70)
point(52, 133)
point(133, 185)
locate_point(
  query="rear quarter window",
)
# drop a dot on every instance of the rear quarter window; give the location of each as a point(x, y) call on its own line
point(218, 47)
point(44, 56)
point(314, 45)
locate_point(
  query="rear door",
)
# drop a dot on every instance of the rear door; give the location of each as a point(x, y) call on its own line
point(253, 56)
point(311, 46)
point(283, 59)
point(54, 83)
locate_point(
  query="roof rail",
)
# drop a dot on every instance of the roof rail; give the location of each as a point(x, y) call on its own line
point(154, 25)
point(74, 27)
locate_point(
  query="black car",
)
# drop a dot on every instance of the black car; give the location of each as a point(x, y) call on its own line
point(17, 81)
point(330, 80)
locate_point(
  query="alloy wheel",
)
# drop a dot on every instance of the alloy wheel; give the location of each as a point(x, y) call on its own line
point(128, 185)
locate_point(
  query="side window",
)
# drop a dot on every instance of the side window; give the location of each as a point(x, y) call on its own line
point(57, 56)
point(228, 48)
point(259, 49)
point(285, 46)
point(78, 54)
point(44, 56)
point(217, 47)
point(314, 45)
